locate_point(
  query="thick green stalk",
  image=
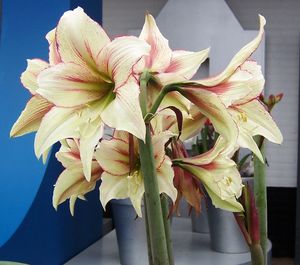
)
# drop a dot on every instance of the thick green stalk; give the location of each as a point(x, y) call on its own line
point(257, 256)
point(150, 258)
point(152, 197)
point(260, 194)
point(165, 209)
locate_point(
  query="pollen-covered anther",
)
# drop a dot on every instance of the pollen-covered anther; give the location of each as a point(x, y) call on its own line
point(243, 117)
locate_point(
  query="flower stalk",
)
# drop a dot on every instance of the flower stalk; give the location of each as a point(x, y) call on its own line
point(155, 219)
point(260, 194)
point(154, 212)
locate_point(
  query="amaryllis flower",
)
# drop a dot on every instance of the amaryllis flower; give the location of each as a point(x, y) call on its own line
point(218, 174)
point(239, 87)
point(168, 66)
point(71, 183)
point(122, 177)
point(90, 83)
point(178, 67)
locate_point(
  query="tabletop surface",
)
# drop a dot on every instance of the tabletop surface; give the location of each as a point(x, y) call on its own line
point(189, 248)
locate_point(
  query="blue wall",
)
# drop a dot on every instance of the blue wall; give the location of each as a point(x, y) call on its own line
point(30, 229)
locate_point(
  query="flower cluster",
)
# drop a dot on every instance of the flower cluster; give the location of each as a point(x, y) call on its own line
point(92, 82)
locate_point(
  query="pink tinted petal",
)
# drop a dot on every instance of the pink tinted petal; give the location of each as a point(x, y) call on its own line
point(113, 156)
point(54, 57)
point(238, 59)
point(210, 105)
point(244, 85)
point(183, 66)
point(160, 54)
point(79, 38)
point(119, 58)
point(71, 85)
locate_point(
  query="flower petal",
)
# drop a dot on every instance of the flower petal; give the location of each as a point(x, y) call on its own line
point(160, 53)
point(113, 156)
point(238, 59)
point(183, 66)
point(57, 124)
point(192, 123)
point(213, 189)
point(29, 76)
point(68, 153)
point(54, 57)
point(79, 38)
point(158, 144)
point(72, 184)
point(211, 106)
point(113, 187)
point(89, 138)
point(254, 118)
point(118, 58)
point(165, 175)
point(31, 116)
point(124, 112)
point(244, 85)
point(71, 85)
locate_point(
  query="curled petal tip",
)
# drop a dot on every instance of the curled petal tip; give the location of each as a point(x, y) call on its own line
point(262, 20)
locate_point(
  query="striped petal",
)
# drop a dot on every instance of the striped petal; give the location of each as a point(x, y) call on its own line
point(245, 84)
point(183, 66)
point(54, 57)
point(79, 38)
point(112, 187)
point(238, 59)
point(124, 112)
point(71, 85)
point(160, 53)
point(113, 156)
point(57, 124)
point(29, 76)
point(165, 175)
point(118, 59)
point(31, 116)
point(256, 119)
point(71, 184)
point(211, 106)
point(218, 190)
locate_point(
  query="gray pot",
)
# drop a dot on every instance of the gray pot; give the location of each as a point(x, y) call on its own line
point(200, 221)
point(130, 230)
point(225, 234)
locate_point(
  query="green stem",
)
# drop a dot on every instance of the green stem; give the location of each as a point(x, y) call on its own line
point(165, 209)
point(204, 139)
point(152, 198)
point(150, 258)
point(165, 90)
point(260, 193)
point(257, 256)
